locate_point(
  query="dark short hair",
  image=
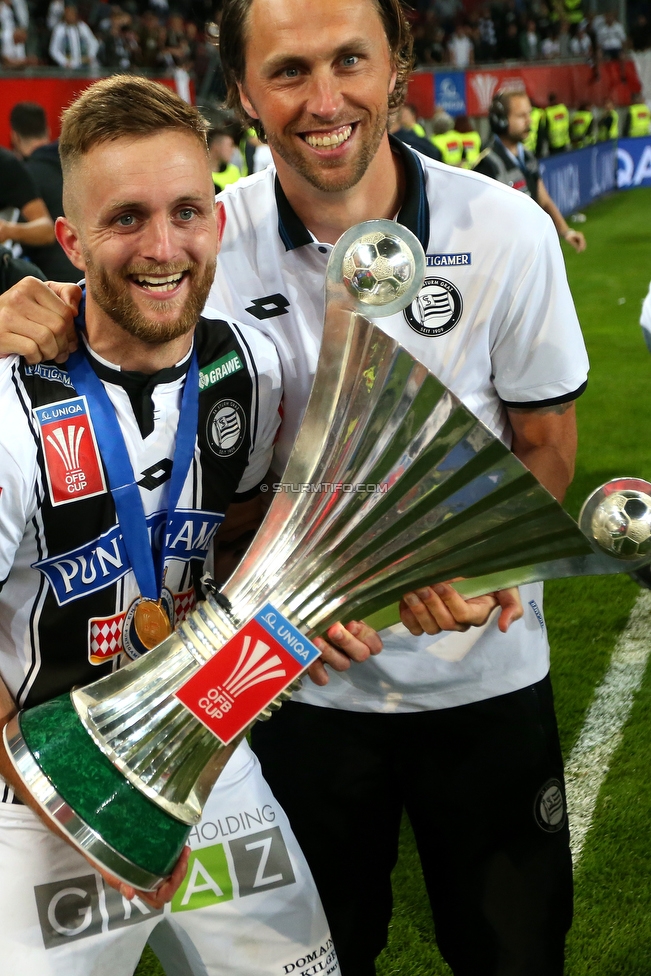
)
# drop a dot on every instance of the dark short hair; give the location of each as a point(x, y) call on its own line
point(232, 44)
point(124, 105)
point(29, 120)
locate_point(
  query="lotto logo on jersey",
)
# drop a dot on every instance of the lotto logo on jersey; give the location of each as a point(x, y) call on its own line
point(72, 460)
point(252, 669)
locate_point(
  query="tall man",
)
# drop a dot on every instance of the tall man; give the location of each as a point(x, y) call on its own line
point(142, 223)
point(505, 159)
point(458, 727)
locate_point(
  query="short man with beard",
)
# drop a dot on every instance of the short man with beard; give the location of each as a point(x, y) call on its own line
point(142, 223)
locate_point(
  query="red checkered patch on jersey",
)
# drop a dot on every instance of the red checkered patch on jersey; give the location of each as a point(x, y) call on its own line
point(184, 603)
point(105, 638)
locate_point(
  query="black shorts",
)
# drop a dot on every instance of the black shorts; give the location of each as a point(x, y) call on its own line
point(483, 787)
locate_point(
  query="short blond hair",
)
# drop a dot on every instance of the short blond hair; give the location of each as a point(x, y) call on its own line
point(124, 105)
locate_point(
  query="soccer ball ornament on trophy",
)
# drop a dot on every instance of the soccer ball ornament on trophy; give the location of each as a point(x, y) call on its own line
point(392, 484)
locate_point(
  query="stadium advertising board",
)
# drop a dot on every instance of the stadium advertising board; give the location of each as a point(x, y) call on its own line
point(574, 179)
point(450, 92)
point(633, 163)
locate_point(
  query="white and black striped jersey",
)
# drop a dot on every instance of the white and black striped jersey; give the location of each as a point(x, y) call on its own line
point(66, 581)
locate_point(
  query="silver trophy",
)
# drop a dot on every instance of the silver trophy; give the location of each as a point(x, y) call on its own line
point(392, 484)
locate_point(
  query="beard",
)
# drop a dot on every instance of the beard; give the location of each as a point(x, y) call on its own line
point(315, 172)
point(112, 294)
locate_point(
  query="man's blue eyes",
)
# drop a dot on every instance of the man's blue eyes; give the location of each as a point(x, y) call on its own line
point(129, 220)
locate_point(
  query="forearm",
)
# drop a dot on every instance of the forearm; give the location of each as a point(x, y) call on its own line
point(545, 440)
point(35, 233)
point(549, 466)
point(558, 219)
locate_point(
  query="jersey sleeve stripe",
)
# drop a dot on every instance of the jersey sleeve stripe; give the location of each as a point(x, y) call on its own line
point(551, 402)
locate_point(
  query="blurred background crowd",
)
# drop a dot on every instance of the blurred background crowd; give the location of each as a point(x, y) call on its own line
point(164, 35)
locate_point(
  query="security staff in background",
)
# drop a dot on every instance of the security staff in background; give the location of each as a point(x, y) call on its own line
point(638, 118)
point(582, 127)
point(558, 125)
point(471, 140)
point(409, 120)
point(608, 125)
point(506, 159)
point(221, 147)
point(447, 140)
point(535, 141)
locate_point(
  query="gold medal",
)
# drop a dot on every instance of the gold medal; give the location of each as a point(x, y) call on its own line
point(151, 623)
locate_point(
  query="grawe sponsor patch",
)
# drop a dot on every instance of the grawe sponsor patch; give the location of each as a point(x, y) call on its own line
point(219, 370)
point(259, 662)
point(72, 460)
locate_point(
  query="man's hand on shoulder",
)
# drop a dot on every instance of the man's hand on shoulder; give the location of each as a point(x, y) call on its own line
point(438, 608)
point(37, 320)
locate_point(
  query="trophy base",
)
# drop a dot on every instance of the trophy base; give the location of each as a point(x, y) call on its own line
point(106, 817)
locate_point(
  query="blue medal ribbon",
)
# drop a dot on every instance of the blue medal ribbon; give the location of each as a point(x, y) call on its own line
point(122, 481)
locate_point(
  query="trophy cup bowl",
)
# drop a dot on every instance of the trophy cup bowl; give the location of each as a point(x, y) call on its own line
point(392, 484)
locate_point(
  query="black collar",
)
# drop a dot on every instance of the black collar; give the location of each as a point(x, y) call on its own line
point(414, 214)
point(139, 387)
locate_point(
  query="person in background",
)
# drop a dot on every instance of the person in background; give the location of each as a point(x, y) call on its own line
point(530, 42)
point(73, 44)
point(638, 118)
point(580, 44)
point(408, 117)
point(582, 127)
point(645, 319)
point(221, 147)
point(535, 141)
point(558, 125)
point(19, 198)
point(448, 142)
point(608, 125)
point(30, 138)
point(407, 135)
point(506, 159)
point(470, 138)
point(14, 20)
point(461, 52)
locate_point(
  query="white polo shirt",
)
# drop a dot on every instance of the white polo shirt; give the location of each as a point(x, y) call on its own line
point(495, 322)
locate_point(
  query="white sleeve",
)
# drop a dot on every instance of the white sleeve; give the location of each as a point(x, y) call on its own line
point(56, 46)
point(18, 464)
point(538, 354)
point(645, 318)
point(91, 40)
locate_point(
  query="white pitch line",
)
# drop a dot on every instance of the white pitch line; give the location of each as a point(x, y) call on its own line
point(601, 734)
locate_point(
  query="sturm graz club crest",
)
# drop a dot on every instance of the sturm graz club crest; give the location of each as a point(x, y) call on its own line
point(436, 309)
point(549, 807)
point(226, 427)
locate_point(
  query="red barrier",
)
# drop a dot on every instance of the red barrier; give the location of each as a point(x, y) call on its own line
point(572, 83)
point(54, 94)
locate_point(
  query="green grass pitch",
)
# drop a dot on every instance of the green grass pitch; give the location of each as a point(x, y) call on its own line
point(611, 935)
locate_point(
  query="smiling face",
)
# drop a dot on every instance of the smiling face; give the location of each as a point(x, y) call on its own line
point(318, 76)
point(142, 223)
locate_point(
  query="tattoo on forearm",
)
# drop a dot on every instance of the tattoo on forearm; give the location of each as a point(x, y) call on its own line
point(558, 408)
